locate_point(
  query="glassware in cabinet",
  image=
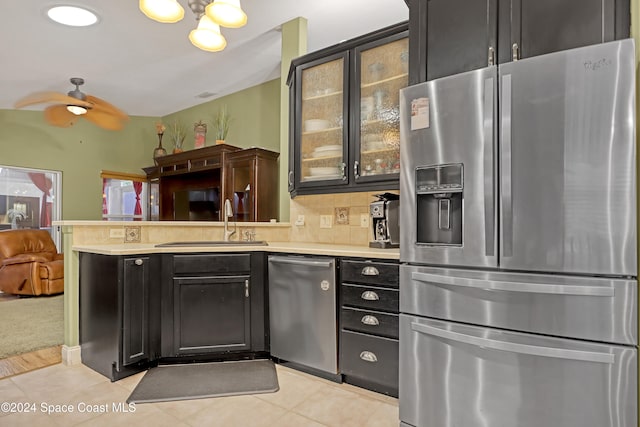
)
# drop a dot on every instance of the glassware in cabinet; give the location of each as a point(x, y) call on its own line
point(382, 73)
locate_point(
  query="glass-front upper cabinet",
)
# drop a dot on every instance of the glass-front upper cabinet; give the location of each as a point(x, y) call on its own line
point(322, 128)
point(345, 115)
point(382, 69)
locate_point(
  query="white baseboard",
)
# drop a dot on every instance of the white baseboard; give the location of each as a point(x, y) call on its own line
point(71, 355)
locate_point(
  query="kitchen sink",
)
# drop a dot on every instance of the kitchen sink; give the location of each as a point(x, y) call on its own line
point(213, 243)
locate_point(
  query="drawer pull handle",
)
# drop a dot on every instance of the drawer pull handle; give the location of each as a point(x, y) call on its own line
point(368, 356)
point(370, 271)
point(370, 320)
point(138, 262)
point(369, 296)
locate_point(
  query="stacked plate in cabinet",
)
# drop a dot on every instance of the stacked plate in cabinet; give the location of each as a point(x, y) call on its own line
point(327, 151)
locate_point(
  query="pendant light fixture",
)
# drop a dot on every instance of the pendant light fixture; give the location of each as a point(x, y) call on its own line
point(165, 11)
point(207, 36)
point(227, 13)
point(211, 14)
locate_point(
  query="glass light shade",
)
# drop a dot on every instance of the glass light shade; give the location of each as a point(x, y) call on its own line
point(77, 110)
point(72, 15)
point(227, 13)
point(207, 36)
point(165, 11)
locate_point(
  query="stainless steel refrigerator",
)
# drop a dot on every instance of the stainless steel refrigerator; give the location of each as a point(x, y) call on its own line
point(518, 289)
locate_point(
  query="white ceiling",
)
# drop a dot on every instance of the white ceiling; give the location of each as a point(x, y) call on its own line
point(152, 69)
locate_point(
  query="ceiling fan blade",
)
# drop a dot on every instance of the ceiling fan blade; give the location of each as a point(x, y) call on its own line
point(105, 120)
point(58, 115)
point(50, 97)
point(104, 106)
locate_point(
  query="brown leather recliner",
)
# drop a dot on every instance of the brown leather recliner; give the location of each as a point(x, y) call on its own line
point(30, 263)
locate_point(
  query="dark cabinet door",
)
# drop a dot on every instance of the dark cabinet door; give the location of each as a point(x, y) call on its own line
point(461, 35)
point(135, 325)
point(536, 27)
point(453, 36)
point(211, 314)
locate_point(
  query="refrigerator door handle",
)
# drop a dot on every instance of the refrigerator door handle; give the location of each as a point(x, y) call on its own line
point(489, 190)
point(505, 167)
point(534, 288)
point(534, 350)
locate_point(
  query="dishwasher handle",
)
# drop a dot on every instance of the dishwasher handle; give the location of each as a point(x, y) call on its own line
point(301, 261)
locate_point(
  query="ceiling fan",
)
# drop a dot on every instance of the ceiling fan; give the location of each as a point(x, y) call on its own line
point(68, 108)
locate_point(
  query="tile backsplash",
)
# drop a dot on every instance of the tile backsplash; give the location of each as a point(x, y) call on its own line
point(354, 205)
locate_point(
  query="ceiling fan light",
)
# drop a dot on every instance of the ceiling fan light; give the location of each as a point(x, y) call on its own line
point(77, 110)
point(165, 11)
point(207, 36)
point(227, 13)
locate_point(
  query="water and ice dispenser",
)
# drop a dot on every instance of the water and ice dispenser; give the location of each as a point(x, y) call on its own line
point(439, 204)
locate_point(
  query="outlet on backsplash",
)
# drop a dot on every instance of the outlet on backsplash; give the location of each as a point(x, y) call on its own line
point(326, 221)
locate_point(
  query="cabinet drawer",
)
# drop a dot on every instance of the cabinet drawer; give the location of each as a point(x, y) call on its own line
point(372, 359)
point(374, 273)
point(370, 322)
point(210, 263)
point(370, 297)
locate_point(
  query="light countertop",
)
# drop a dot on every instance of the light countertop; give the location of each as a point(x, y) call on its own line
point(275, 247)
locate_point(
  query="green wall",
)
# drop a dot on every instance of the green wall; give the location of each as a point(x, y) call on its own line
point(80, 152)
point(83, 150)
point(255, 115)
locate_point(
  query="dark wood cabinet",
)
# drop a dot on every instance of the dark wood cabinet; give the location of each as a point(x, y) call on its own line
point(369, 307)
point(251, 184)
point(453, 36)
point(115, 310)
point(211, 314)
point(212, 305)
point(344, 114)
point(192, 185)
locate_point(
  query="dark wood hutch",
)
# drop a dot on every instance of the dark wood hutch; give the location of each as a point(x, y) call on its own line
point(193, 185)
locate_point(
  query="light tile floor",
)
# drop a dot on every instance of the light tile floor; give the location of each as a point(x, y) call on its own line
point(302, 401)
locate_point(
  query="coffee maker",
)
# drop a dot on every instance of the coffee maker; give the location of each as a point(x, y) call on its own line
point(384, 214)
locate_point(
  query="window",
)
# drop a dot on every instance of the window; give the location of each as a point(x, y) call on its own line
point(124, 197)
point(30, 198)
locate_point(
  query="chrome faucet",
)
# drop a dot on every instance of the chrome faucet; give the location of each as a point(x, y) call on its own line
point(228, 212)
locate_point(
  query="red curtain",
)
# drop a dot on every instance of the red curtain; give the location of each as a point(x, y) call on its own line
point(137, 186)
point(44, 184)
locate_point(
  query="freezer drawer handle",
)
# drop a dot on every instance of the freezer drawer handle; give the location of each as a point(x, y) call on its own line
point(370, 320)
point(370, 271)
point(368, 356)
point(534, 288)
point(296, 261)
point(534, 350)
point(369, 296)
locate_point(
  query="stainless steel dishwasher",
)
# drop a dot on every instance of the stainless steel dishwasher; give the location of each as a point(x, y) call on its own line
point(302, 311)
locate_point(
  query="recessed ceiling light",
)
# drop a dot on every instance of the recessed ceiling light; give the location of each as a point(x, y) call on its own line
point(72, 15)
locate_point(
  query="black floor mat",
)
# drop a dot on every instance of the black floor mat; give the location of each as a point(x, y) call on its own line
point(202, 380)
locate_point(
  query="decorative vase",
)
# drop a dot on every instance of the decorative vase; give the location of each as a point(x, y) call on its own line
point(159, 151)
point(177, 150)
point(219, 141)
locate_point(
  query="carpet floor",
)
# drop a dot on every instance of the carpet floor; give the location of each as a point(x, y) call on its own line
point(30, 324)
point(203, 380)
